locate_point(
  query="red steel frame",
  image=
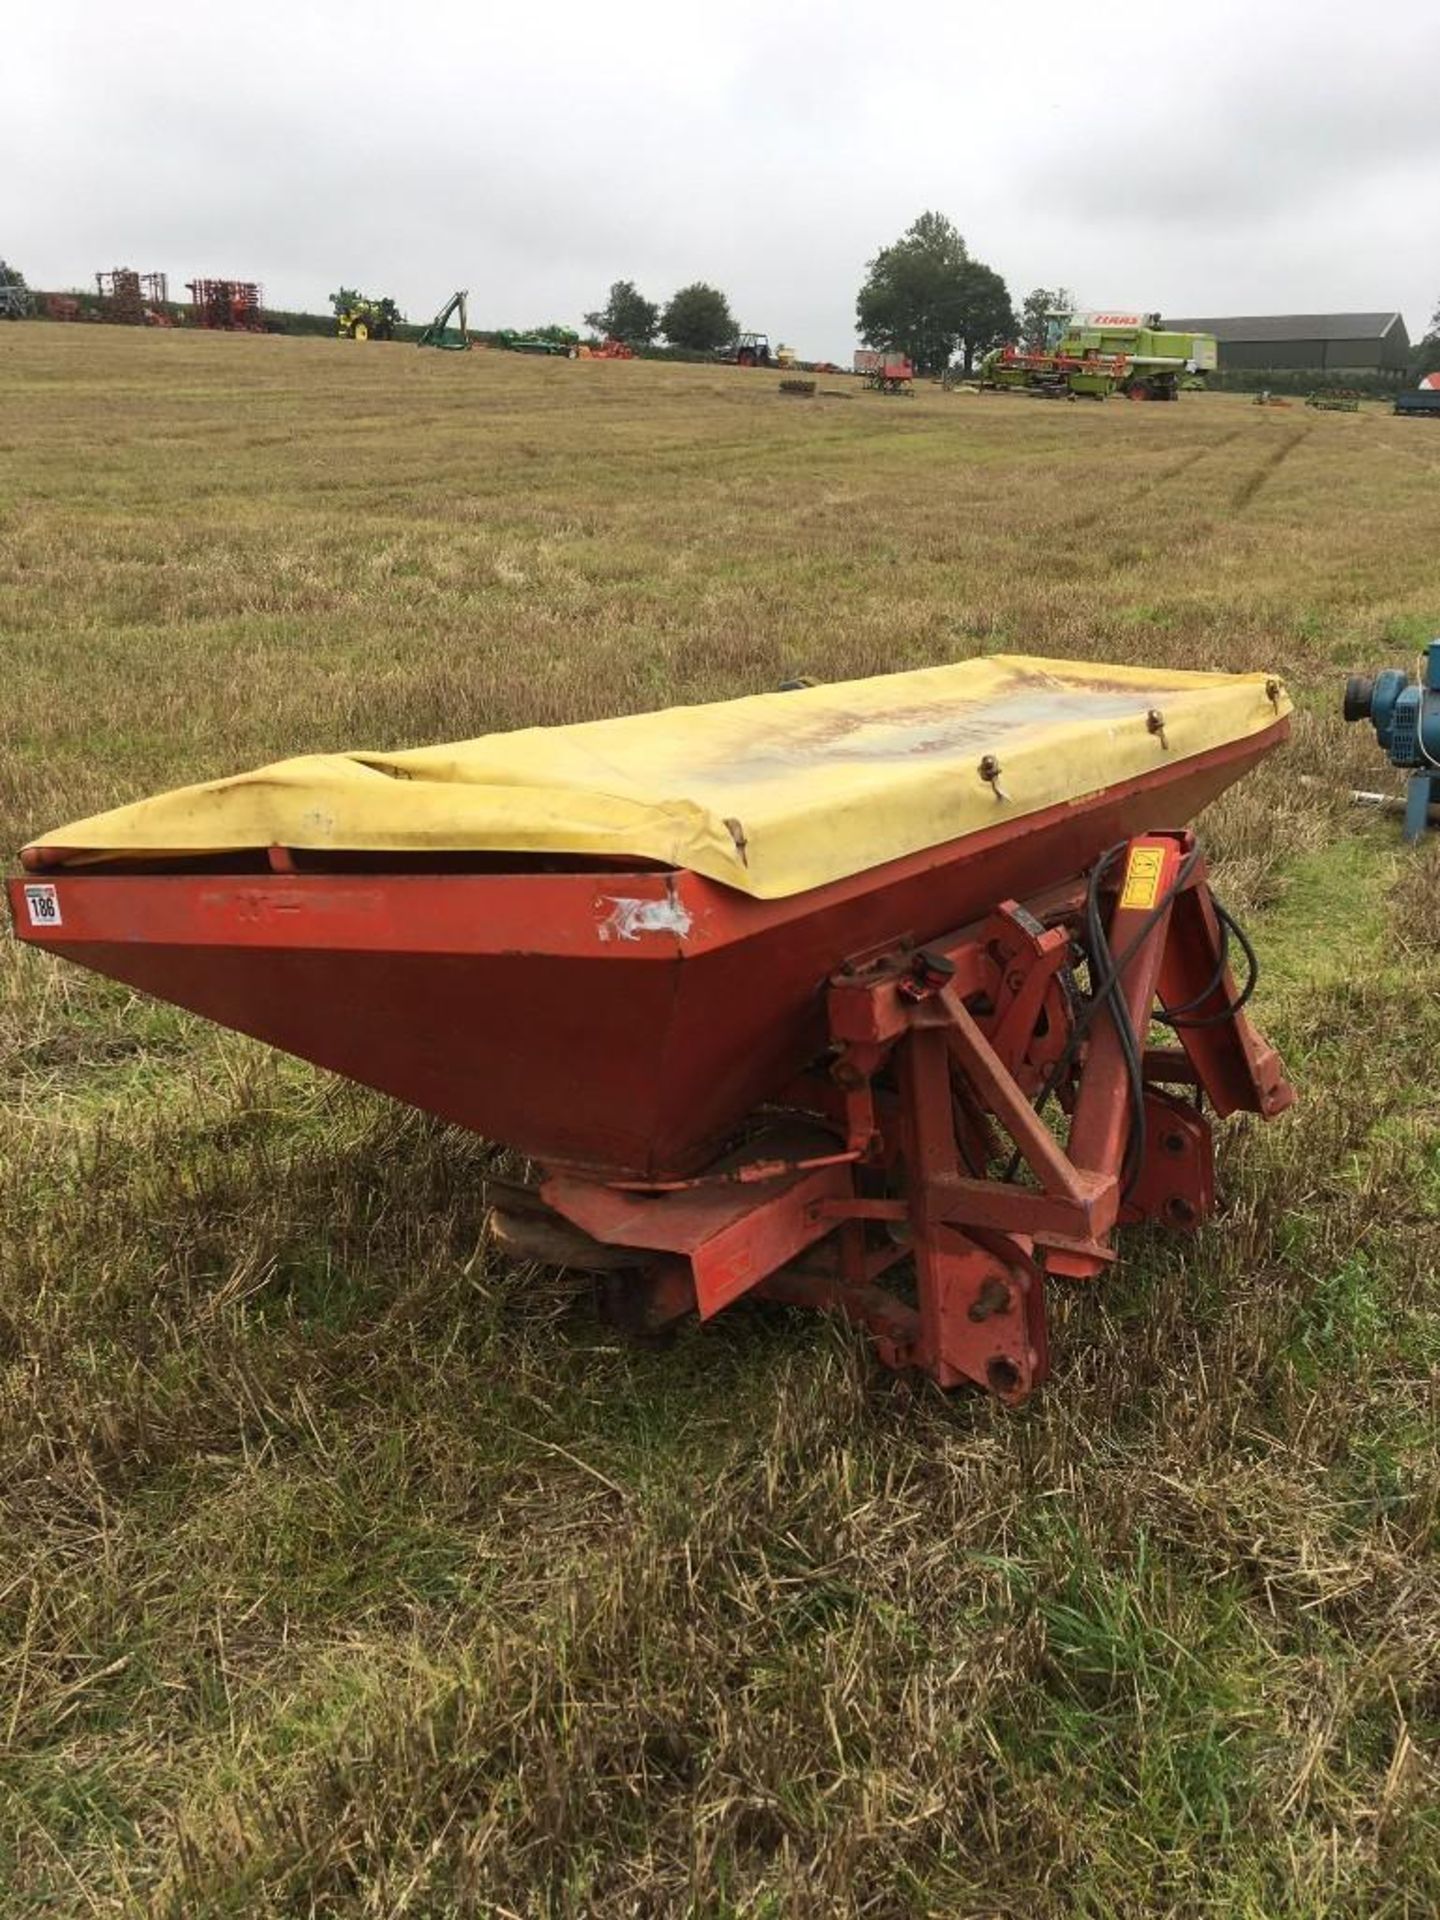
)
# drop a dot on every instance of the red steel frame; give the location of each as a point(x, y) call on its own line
point(936, 1056)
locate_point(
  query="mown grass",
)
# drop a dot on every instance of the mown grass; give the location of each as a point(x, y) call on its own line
point(347, 1571)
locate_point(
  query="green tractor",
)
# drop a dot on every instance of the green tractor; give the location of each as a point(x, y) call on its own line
point(357, 317)
point(1097, 354)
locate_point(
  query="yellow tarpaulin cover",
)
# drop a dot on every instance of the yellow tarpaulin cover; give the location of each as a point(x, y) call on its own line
point(771, 794)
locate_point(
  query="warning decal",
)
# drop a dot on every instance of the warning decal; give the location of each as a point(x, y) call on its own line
point(1142, 877)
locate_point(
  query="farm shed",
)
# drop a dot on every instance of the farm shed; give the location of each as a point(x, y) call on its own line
point(1318, 342)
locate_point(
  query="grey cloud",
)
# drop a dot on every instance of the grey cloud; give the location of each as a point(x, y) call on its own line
point(1238, 157)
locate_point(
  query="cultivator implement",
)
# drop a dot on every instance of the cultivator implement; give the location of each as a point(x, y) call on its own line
point(227, 306)
point(883, 1036)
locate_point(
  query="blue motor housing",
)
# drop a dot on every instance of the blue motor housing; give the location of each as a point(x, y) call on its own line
point(1405, 714)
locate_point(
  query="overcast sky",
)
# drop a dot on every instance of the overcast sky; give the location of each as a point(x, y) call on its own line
point(1245, 156)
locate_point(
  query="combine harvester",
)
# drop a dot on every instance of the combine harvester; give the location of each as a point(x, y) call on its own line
point(773, 993)
point(1097, 354)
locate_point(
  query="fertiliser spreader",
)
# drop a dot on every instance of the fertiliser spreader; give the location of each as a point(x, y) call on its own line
point(851, 996)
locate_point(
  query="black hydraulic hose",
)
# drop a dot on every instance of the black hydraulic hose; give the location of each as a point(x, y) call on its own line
point(1176, 1017)
point(1106, 973)
point(1103, 988)
point(1171, 1015)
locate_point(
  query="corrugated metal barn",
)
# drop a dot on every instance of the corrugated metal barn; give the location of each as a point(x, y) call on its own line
point(1308, 342)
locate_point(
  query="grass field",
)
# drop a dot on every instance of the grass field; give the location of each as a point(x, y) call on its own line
point(346, 1571)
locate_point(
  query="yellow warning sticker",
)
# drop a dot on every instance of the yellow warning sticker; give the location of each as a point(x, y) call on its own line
point(1142, 877)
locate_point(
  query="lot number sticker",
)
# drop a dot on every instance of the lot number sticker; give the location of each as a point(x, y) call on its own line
point(44, 905)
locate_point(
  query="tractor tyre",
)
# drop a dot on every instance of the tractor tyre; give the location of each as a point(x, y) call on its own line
point(360, 331)
point(745, 357)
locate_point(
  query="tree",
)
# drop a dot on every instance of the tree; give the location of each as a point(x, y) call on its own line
point(925, 297)
point(1034, 309)
point(698, 317)
point(626, 315)
point(986, 316)
point(15, 301)
point(1426, 357)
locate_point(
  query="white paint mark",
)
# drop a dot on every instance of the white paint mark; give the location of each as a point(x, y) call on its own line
point(628, 919)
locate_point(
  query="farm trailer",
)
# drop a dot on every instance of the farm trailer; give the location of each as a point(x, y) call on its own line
point(884, 370)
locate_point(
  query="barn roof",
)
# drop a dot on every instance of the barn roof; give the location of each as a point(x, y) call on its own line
point(1292, 326)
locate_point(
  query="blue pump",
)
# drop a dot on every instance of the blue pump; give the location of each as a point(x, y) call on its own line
point(1405, 714)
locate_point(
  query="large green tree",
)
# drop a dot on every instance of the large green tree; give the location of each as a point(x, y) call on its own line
point(626, 315)
point(1035, 309)
point(926, 297)
point(698, 317)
